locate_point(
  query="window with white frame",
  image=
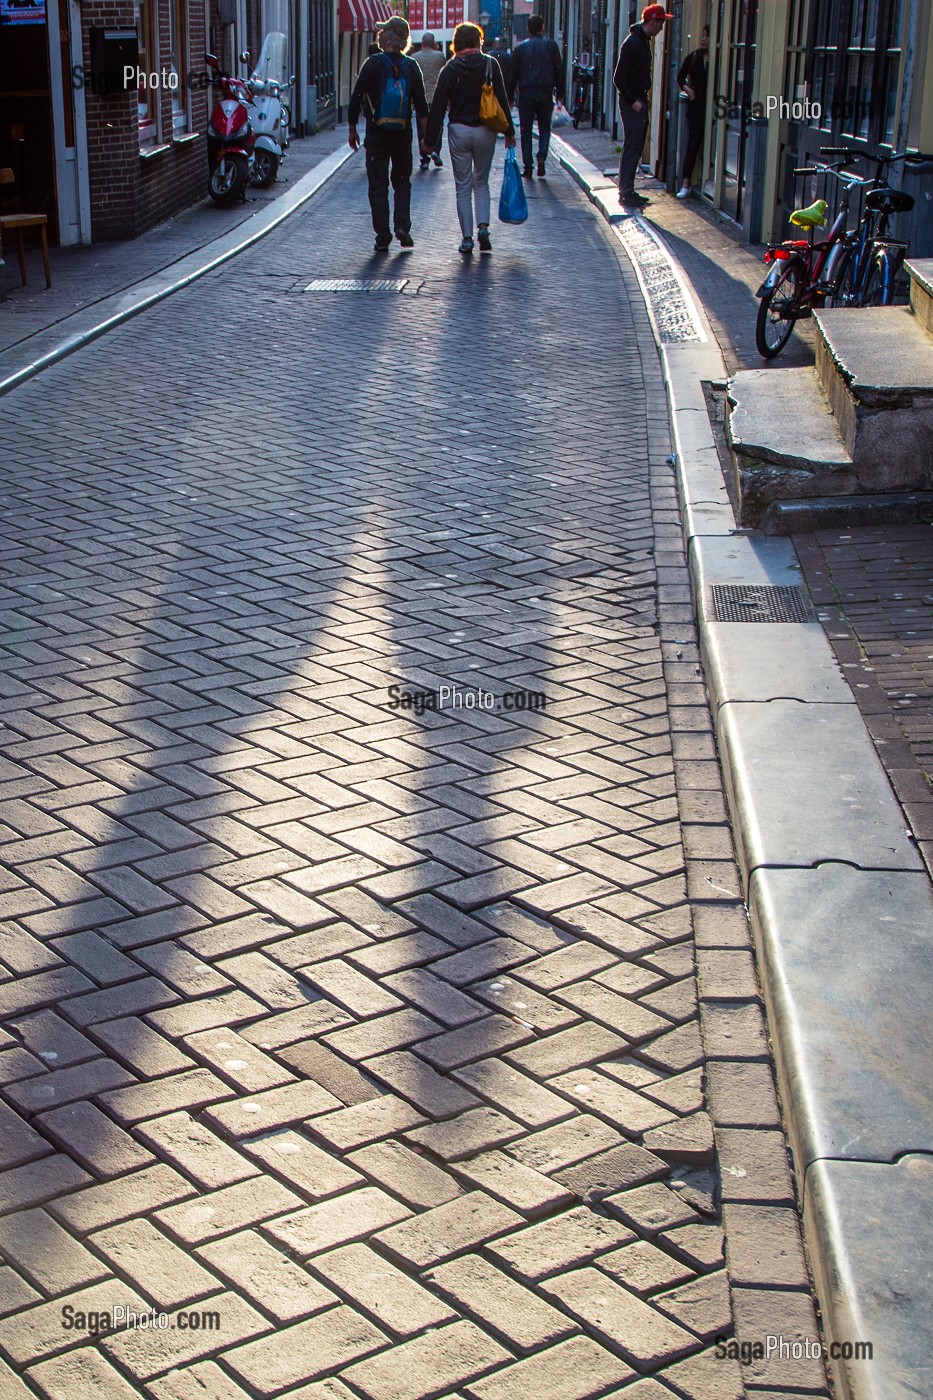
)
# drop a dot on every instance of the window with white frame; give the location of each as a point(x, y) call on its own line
point(147, 95)
point(178, 66)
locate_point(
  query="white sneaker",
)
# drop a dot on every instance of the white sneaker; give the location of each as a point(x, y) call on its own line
point(684, 194)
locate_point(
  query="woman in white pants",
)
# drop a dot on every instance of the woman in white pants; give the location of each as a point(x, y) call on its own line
point(471, 144)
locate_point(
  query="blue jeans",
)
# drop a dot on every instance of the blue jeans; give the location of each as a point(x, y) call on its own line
point(535, 104)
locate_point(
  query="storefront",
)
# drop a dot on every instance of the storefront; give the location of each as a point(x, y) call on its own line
point(42, 135)
point(790, 76)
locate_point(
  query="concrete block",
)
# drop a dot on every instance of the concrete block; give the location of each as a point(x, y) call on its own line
point(807, 786)
point(846, 958)
point(876, 366)
point(774, 661)
point(870, 1228)
point(741, 559)
point(921, 290)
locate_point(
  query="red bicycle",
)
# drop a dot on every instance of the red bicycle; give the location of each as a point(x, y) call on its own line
point(802, 272)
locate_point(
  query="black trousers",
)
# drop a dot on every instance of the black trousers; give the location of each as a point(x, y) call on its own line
point(695, 129)
point(635, 126)
point(535, 104)
point(388, 156)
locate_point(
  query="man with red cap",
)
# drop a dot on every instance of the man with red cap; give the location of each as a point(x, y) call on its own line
point(632, 79)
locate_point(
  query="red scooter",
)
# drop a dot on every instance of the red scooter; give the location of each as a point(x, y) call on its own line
point(230, 137)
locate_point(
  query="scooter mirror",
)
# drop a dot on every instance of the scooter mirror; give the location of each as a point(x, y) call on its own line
point(210, 58)
point(291, 80)
point(244, 56)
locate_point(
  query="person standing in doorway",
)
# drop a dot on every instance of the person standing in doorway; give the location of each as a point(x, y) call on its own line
point(430, 59)
point(390, 85)
point(632, 79)
point(537, 73)
point(692, 81)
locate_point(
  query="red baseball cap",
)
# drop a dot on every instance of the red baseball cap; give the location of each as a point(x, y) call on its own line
point(651, 12)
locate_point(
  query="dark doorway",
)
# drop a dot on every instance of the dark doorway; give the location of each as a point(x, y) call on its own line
point(26, 132)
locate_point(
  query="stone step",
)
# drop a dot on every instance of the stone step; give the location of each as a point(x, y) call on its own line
point(875, 365)
point(785, 441)
point(920, 271)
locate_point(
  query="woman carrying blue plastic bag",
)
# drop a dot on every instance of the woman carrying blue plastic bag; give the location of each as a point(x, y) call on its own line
point(471, 143)
point(513, 206)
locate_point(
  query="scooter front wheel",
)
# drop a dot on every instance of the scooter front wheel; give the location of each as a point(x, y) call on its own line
point(265, 169)
point(228, 179)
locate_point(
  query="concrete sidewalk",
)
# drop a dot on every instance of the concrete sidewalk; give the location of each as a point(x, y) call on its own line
point(841, 903)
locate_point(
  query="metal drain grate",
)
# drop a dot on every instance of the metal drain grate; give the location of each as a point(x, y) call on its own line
point(357, 284)
point(761, 603)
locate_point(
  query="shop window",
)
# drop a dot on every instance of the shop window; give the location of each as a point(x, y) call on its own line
point(147, 97)
point(855, 64)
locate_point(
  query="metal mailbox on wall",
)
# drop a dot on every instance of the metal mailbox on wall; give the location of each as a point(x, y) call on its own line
point(112, 50)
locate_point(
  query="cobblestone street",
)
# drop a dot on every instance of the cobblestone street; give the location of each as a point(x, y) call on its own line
point(389, 1038)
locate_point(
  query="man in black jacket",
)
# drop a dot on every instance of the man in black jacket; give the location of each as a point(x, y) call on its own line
point(632, 78)
point(537, 71)
point(388, 143)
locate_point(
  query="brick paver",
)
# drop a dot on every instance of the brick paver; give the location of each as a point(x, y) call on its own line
point(374, 1032)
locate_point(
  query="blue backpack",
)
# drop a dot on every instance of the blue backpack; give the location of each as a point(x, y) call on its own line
point(394, 108)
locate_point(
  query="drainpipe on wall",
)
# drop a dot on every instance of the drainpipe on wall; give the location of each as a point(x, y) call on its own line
point(911, 36)
point(673, 97)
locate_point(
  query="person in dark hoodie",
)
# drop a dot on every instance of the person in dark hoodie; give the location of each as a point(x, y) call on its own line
point(471, 144)
point(632, 79)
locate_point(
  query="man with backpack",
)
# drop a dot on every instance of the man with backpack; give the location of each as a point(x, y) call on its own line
point(537, 72)
point(390, 85)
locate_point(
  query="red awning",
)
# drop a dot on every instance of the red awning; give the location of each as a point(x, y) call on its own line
point(362, 16)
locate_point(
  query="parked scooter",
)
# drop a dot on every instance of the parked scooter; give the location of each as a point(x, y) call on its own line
point(230, 137)
point(268, 85)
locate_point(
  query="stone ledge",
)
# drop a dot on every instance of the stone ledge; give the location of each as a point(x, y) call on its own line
point(871, 1233)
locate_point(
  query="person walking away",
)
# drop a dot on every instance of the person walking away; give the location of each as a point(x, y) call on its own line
point(430, 59)
point(471, 144)
point(503, 56)
point(692, 81)
point(537, 73)
point(632, 80)
point(390, 85)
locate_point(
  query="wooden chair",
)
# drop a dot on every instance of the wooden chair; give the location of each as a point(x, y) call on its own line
point(17, 223)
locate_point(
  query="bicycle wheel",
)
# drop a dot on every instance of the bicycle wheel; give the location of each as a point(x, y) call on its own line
point(777, 312)
point(842, 291)
point(874, 290)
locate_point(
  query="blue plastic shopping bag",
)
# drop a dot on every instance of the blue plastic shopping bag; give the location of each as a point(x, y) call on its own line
point(513, 206)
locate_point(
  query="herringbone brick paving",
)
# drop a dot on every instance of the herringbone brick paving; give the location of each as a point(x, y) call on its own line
point(372, 1032)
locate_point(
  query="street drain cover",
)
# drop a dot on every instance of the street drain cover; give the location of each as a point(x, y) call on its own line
point(761, 603)
point(357, 284)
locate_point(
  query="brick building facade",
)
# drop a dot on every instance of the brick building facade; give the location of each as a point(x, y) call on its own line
point(147, 158)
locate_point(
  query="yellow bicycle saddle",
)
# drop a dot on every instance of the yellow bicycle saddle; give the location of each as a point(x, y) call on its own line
point(812, 217)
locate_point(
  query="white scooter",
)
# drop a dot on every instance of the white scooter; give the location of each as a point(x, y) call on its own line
point(269, 84)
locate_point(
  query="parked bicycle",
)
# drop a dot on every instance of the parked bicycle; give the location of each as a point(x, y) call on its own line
point(869, 268)
point(846, 268)
point(583, 77)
